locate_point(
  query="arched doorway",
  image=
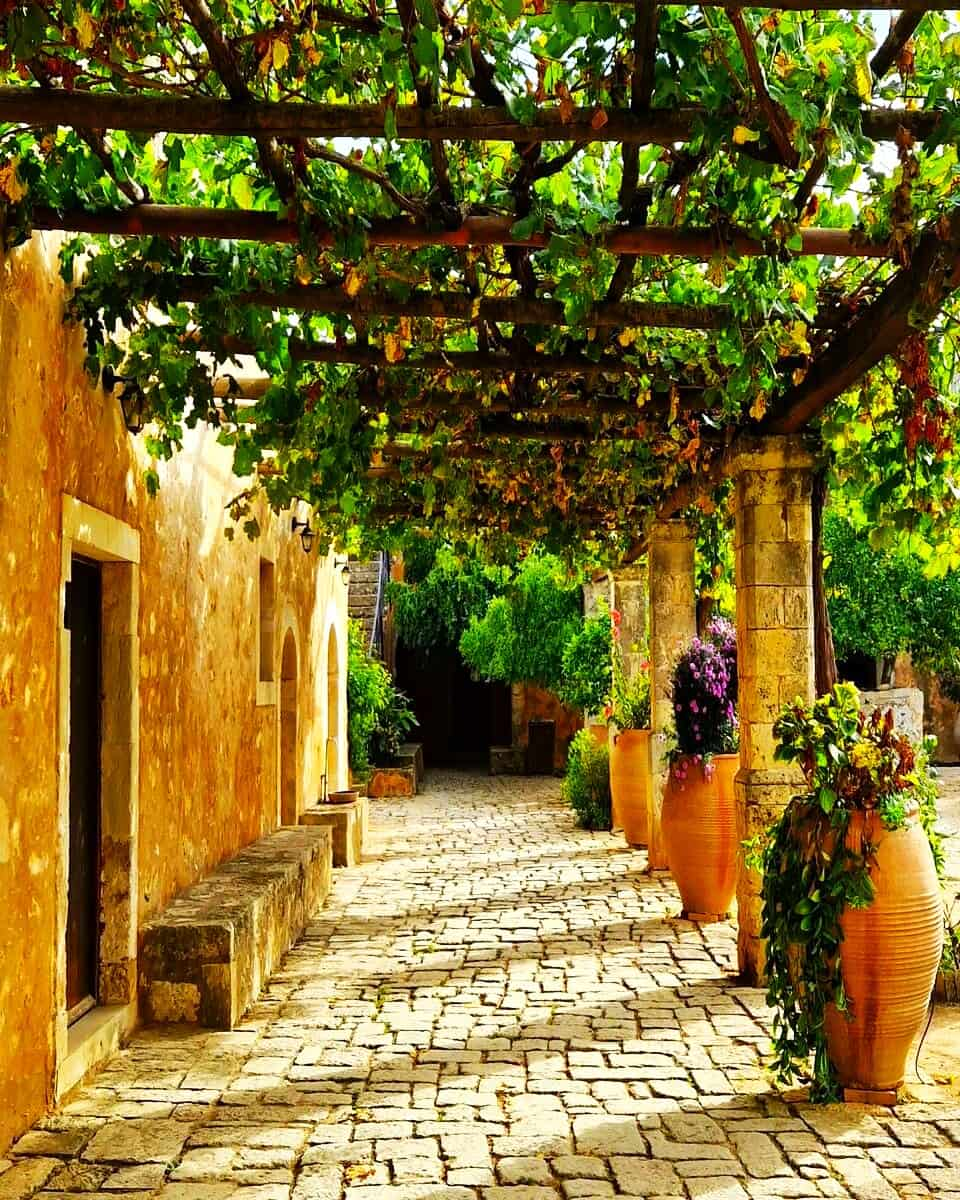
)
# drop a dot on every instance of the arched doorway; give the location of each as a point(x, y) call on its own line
point(289, 775)
point(331, 764)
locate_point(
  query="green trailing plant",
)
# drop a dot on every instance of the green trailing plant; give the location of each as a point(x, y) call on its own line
point(522, 635)
point(394, 721)
point(587, 664)
point(812, 872)
point(586, 784)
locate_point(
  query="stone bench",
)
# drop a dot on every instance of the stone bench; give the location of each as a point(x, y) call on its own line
point(411, 753)
point(207, 956)
point(348, 828)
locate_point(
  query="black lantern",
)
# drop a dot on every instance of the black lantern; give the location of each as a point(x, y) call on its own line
point(306, 534)
point(343, 566)
point(132, 399)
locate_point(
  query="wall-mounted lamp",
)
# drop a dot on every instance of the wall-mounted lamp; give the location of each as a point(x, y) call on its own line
point(306, 534)
point(343, 566)
point(132, 399)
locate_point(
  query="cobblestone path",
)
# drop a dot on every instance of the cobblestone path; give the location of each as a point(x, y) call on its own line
point(498, 1007)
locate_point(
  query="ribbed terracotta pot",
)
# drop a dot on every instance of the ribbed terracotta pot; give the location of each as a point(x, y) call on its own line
point(889, 957)
point(699, 822)
point(630, 784)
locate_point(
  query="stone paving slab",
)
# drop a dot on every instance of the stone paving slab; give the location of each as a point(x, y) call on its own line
point(497, 1006)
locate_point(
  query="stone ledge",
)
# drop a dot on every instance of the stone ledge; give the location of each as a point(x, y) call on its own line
point(347, 824)
point(207, 956)
point(411, 754)
point(508, 760)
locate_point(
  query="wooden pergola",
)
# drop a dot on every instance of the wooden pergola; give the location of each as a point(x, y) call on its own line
point(527, 373)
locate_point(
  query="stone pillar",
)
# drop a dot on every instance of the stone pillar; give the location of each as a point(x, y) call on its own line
point(775, 642)
point(628, 596)
point(593, 592)
point(673, 625)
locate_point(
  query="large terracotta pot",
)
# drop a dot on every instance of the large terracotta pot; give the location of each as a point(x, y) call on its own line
point(699, 822)
point(630, 784)
point(598, 732)
point(889, 957)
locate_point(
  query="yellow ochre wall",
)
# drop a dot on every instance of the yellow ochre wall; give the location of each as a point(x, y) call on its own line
point(208, 770)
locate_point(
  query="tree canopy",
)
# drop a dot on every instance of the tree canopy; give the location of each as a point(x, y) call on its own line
point(515, 270)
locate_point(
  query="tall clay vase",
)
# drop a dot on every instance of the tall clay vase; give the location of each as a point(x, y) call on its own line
point(630, 784)
point(889, 957)
point(699, 822)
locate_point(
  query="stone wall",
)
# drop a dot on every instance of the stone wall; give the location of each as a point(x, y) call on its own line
point(531, 703)
point(204, 734)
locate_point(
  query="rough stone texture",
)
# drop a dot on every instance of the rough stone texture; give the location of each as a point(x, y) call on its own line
point(775, 649)
point(907, 705)
point(507, 760)
point(206, 751)
point(530, 703)
point(496, 1005)
point(206, 957)
point(347, 824)
point(411, 754)
point(629, 597)
point(673, 624)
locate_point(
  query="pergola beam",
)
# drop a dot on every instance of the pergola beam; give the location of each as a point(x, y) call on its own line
point(511, 310)
point(168, 220)
point(454, 360)
point(47, 107)
point(901, 31)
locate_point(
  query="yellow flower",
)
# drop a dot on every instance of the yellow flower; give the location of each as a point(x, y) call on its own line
point(865, 754)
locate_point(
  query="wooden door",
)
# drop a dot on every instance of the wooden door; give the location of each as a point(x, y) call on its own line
point(83, 618)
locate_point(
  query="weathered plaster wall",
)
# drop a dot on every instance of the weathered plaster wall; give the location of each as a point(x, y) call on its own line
point(208, 765)
point(940, 714)
point(531, 703)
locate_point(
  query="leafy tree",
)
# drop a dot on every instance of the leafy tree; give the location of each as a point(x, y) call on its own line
point(587, 665)
point(432, 613)
point(586, 784)
point(522, 635)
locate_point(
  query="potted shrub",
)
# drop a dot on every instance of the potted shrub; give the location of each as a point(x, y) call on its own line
point(699, 818)
point(852, 910)
point(629, 713)
point(587, 671)
point(586, 784)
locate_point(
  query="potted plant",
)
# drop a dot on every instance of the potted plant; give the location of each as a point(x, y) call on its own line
point(629, 713)
point(587, 671)
point(852, 910)
point(699, 818)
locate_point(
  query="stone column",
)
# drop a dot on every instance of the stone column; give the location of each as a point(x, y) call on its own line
point(594, 591)
point(673, 625)
point(628, 596)
point(775, 642)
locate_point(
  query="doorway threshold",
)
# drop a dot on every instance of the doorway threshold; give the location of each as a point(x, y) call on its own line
point(91, 1040)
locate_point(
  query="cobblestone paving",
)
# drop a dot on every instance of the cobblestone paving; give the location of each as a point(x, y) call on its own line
point(498, 1007)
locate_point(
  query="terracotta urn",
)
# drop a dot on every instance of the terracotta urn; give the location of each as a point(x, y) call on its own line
point(630, 784)
point(889, 957)
point(699, 822)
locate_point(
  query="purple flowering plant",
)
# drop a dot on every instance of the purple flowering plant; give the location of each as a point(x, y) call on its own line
point(704, 694)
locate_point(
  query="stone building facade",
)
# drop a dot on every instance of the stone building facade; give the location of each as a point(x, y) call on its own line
point(207, 675)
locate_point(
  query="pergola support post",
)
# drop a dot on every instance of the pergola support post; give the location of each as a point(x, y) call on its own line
point(673, 625)
point(628, 597)
point(775, 643)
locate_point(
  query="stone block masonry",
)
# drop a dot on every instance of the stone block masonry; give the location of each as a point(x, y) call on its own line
point(207, 956)
point(773, 551)
point(347, 824)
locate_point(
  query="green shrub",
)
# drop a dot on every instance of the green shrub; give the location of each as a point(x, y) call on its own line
point(587, 665)
point(432, 612)
point(586, 785)
point(394, 721)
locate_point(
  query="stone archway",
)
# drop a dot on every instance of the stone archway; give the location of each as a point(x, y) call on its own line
point(332, 750)
point(289, 774)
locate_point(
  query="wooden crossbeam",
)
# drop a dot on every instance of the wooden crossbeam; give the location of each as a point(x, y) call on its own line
point(910, 301)
point(167, 220)
point(517, 359)
point(901, 31)
point(46, 107)
point(512, 310)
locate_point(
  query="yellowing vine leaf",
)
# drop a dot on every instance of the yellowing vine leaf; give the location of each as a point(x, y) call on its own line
point(10, 184)
point(742, 135)
point(393, 348)
point(281, 54)
point(86, 30)
point(353, 283)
